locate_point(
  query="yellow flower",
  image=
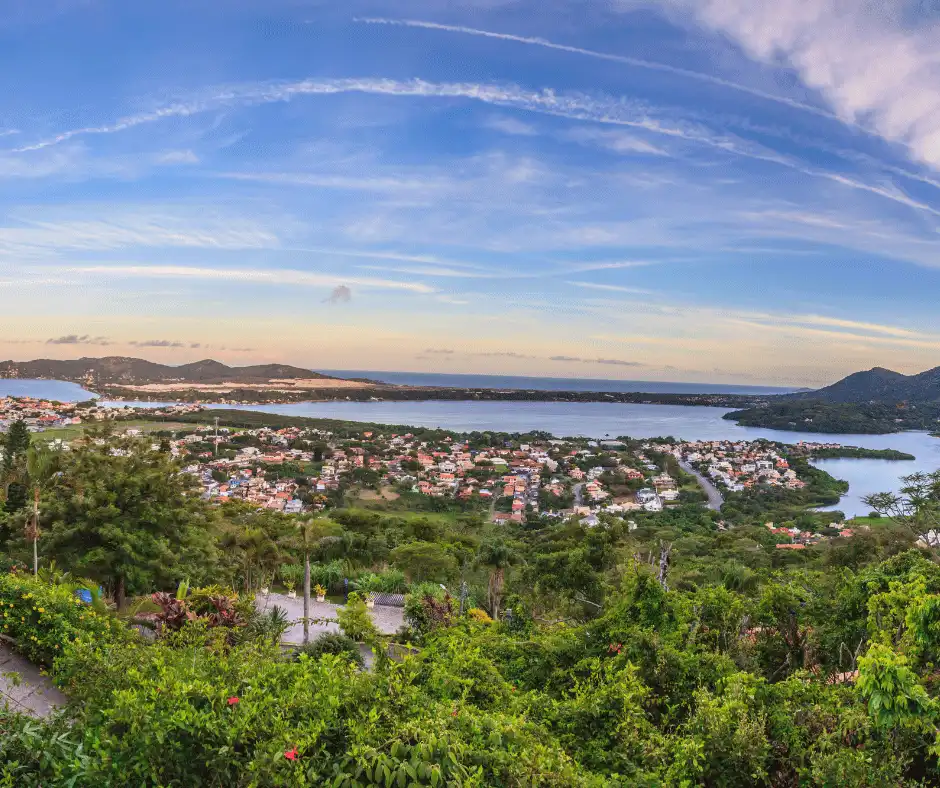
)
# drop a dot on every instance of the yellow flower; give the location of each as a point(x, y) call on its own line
point(42, 610)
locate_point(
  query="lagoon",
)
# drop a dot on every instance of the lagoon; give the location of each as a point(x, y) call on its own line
point(601, 419)
point(591, 419)
point(55, 390)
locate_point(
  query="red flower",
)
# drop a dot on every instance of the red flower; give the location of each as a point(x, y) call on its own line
point(233, 700)
point(453, 713)
point(291, 754)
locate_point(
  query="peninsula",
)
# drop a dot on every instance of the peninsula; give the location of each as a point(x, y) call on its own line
point(134, 379)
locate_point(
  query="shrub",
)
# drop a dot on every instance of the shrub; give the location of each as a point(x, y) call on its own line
point(183, 712)
point(44, 619)
point(327, 575)
point(427, 608)
point(331, 643)
point(480, 616)
point(355, 621)
point(204, 601)
point(291, 575)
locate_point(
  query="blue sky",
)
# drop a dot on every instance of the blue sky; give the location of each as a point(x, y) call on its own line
point(674, 190)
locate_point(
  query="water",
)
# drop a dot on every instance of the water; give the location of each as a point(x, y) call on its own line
point(600, 419)
point(596, 420)
point(551, 384)
point(55, 390)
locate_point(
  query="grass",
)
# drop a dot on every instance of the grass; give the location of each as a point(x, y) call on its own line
point(387, 494)
point(857, 521)
point(73, 431)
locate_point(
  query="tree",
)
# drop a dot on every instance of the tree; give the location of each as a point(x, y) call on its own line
point(14, 453)
point(42, 466)
point(916, 506)
point(496, 556)
point(311, 531)
point(129, 519)
point(424, 561)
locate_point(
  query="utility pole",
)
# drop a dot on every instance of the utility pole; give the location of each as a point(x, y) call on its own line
point(216, 444)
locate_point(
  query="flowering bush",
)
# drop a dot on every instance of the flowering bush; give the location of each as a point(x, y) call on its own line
point(480, 616)
point(43, 619)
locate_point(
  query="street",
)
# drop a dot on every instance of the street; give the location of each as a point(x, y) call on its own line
point(715, 499)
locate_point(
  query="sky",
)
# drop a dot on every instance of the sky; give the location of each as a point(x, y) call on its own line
point(686, 190)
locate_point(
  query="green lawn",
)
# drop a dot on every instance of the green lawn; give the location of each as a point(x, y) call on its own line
point(73, 431)
point(857, 521)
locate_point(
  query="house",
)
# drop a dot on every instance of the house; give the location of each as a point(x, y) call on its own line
point(656, 505)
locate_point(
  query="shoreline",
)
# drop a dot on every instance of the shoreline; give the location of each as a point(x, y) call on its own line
point(240, 396)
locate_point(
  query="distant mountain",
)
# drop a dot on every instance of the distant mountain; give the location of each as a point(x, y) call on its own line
point(879, 385)
point(121, 370)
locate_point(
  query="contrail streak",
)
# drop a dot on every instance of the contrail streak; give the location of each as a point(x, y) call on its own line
point(629, 61)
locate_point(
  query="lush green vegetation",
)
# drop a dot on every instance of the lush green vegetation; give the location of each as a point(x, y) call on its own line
point(847, 418)
point(676, 648)
point(857, 453)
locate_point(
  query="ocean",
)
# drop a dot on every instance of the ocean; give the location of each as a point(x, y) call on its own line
point(552, 384)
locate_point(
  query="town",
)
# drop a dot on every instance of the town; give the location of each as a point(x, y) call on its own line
point(301, 469)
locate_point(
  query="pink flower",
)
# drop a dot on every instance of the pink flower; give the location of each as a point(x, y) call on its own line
point(291, 754)
point(233, 700)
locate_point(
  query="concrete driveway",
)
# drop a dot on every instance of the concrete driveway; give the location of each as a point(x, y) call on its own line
point(388, 619)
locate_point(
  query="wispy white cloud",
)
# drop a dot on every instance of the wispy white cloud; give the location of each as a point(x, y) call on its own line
point(271, 276)
point(604, 110)
point(616, 141)
point(56, 230)
point(448, 273)
point(609, 288)
point(629, 61)
point(876, 63)
point(177, 157)
point(512, 126)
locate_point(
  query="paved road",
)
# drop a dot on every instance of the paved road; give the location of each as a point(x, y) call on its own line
point(23, 688)
point(388, 619)
point(715, 499)
point(578, 491)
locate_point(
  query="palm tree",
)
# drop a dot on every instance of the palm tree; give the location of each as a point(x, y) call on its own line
point(312, 532)
point(496, 556)
point(42, 468)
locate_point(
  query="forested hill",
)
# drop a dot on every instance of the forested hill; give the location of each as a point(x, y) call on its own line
point(878, 385)
point(137, 371)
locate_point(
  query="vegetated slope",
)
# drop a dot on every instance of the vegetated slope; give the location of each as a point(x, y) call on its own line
point(136, 371)
point(878, 385)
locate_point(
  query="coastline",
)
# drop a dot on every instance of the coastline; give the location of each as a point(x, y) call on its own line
point(272, 396)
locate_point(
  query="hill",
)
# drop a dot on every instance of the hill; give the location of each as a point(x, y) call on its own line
point(117, 370)
point(878, 385)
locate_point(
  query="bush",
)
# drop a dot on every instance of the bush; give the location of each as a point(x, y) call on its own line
point(43, 619)
point(480, 616)
point(391, 581)
point(331, 643)
point(187, 713)
point(327, 575)
point(428, 607)
point(355, 621)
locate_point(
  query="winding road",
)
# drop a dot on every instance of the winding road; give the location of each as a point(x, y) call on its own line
point(715, 500)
